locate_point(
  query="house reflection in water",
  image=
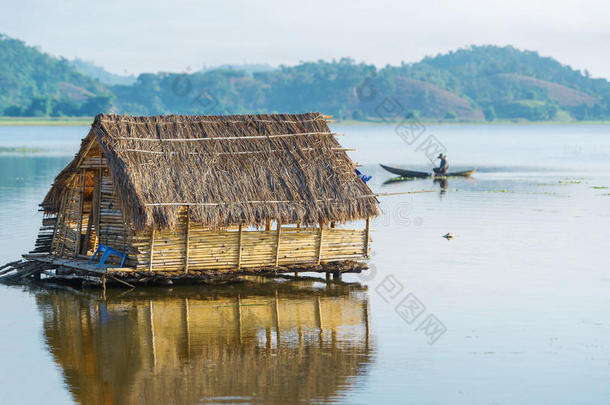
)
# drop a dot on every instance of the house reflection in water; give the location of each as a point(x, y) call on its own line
point(260, 341)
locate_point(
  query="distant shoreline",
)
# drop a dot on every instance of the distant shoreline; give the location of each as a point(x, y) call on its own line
point(473, 122)
point(86, 121)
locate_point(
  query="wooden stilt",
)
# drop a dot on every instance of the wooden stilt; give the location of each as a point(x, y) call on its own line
point(239, 243)
point(186, 242)
point(152, 245)
point(277, 243)
point(319, 247)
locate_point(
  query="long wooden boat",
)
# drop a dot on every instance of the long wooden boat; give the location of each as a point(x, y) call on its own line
point(405, 173)
point(414, 174)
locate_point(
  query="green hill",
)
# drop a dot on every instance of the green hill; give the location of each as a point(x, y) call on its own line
point(33, 83)
point(90, 69)
point(476, 83)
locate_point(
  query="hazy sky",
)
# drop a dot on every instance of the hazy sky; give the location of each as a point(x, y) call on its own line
point(138, 35)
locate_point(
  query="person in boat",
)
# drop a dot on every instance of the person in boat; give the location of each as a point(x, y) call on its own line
point(444, 166)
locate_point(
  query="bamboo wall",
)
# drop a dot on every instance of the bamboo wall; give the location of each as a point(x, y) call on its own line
point(66, 232)
point(190, 247)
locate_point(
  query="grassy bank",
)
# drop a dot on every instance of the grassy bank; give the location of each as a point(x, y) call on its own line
point(20, 149)
point(471, 122)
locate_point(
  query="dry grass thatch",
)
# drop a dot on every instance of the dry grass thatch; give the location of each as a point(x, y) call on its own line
point(226, 169)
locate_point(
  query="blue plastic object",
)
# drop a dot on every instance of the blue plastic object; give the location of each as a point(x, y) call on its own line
point(364, 177)
point(107, 251)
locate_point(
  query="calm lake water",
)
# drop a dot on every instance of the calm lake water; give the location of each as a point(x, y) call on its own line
point(514, 309)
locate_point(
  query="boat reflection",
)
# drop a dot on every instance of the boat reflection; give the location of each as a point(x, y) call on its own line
point(260, 341)
point(443, 184)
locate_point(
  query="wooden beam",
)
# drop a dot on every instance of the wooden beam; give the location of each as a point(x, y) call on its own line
point(320, 236)
point(66, 217)
point(224, 138)
point(98, 213)
point(93, 214)
point(152, 245)
point(251, 152)
point(58, 228)
point(239, 241)
point(77, 242)
point(336, 200)
point(367, 233)
point(277, 243)
point(186, 243)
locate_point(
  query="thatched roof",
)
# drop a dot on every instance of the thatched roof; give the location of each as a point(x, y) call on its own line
point(226, 169)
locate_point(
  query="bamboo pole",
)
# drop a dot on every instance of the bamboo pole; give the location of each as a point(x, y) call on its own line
point(92, 215)
point(215, 204)
point(66, 217)
point(152, 244)
point(239, 242)
point(186, 242)
point(224, 138)
point(321, 235)
point(58, 226)
point(277, 243)
point(208, 121)
point(249, 152)
point(80, 212)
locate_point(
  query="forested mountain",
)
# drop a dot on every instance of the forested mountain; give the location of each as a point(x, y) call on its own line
point(90, 69)
point(33, 83)
point(476, 83)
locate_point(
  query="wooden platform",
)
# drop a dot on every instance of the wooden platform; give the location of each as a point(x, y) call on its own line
point(80, 270)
